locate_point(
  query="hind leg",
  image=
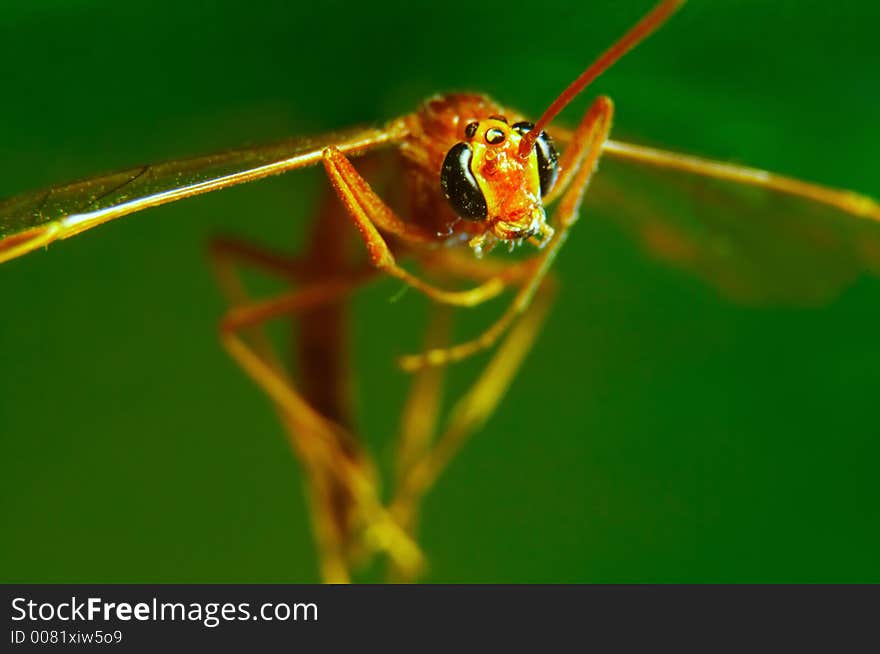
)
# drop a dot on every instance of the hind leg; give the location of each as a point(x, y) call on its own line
point(333, 461)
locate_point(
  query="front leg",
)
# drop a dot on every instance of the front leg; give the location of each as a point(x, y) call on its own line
point(370, 214)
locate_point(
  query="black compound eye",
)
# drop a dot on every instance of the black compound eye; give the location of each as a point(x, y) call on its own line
point(548, 158)
point(459, 185)
point(471, 129)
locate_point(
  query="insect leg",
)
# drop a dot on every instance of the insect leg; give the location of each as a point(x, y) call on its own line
point(463, 264)
point(320, 483)
point(329, 532)
point(473, 409)
point(321, 441)
point(330, 455)
point(370, 214)
point(318, 293)
point(575, 153)
point(421, 411)
point(331, 517)
point(587, 146)
point(227, 252)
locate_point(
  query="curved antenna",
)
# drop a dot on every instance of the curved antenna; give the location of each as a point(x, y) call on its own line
point(640, 31)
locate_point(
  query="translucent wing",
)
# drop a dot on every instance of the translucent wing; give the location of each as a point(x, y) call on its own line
point(753, 235)
point(32, 220)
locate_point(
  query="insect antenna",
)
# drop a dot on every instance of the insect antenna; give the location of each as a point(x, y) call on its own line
point(640, 31)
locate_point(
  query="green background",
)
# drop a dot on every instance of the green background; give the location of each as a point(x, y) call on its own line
point(657, 432)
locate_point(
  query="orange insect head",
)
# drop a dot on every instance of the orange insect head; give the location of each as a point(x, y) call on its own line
point(485, 179)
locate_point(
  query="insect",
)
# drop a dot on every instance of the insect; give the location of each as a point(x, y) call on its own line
point(482, 178)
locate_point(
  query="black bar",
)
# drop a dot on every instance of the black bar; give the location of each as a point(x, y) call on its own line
point(284, 617)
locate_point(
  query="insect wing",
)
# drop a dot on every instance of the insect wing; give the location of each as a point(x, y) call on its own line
point(32, 220)
point(753, 244)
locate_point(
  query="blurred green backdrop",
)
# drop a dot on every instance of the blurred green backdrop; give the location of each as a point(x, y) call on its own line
point(656, 433)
